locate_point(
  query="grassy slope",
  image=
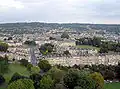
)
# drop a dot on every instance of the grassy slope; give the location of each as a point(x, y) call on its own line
point(87, 46)
point(112, 86)
point(15, 68)
point(3, 86)
point(12, 69)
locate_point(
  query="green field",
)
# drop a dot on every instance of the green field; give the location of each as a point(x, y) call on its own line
point(3, 86)
point(12, 69)
point(112, 86)
point(89, 47)
point(15, 68)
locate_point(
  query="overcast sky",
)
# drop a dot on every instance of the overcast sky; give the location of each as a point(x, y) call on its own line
point(73, 11)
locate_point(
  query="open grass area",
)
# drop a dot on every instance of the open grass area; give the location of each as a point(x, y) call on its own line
point(3, 86)
point(89, 47)
point(15, 68)
point(112, 86)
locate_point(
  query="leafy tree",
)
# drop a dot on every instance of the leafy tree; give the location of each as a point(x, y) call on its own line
point(31, 43)
point(60, 86)
point(10, 38)
point(109, 74)
point(56, 74)
point(46, 83)
point(67, 52)
point(95, 41)
point(117, 70)
point(94, 68)
point(79, 78)
point(103, 50)
point(64, 68)
point(86, 82)
point(3, 64)
point(21, 84)
point(36, 79)
point(2, 80)
point(29, 66)
point(99, 79)
point(16, 76)
point(3, 46)
point(65, 35)
point(51, 38)
point(44, 65)
point(35, 69)
point(70, 79)
point(46, 48)
point(24, 62)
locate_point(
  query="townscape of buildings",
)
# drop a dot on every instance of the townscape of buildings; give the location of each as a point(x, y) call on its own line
point(18, 50)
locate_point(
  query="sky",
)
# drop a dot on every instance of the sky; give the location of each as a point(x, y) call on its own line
point(60, 11)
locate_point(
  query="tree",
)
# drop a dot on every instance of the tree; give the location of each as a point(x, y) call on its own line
point(67, 53)
point(103, 50)
point(65, 35)
point(29, 66)
point(46, 48)
point(109, 74)
point(3, 64)
point(44, 65)
point(60, 86)
point(64, 68)
point(117, 70)
point(35, 69)
point(24, 62)
point(46, 83)
point(96, 41)
point(56, 74)
point(99, 79)
point(78, 78)
point(51, 38)
point(70, 79)
point(21, 84)
point(86, 82)
point(3, 46)
point(10, 38)
point(36, 79)
point(30, 43)
point(2, 80)
point(16, 76)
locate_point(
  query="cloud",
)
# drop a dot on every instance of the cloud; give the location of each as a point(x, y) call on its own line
point(98, 11)
point(6, 4)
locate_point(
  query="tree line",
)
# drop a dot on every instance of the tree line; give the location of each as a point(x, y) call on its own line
point(105, 46)
point(45, 76)
point(3, 46)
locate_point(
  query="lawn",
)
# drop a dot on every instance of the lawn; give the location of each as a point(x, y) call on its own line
point(16, 68)
point(13, 68)
point(89, 47)
point(112, 86)
point(3, 86)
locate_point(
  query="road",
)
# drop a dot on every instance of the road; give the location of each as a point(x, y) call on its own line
point(33, 57)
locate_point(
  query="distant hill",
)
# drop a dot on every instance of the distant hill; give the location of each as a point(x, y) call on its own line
point(74, 26)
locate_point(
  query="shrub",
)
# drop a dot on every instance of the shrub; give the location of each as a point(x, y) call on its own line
point(2, 80)
point(98, 78)
point(44, 65)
